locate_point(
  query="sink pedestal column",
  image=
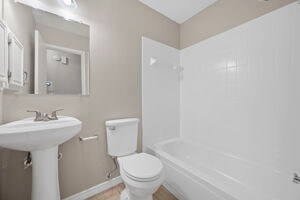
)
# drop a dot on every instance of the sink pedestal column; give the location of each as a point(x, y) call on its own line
point(45, 184)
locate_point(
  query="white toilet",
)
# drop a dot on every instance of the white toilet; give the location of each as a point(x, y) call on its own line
point(142, 173)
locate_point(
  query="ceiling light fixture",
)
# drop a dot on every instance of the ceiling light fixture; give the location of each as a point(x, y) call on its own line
point(69, 3)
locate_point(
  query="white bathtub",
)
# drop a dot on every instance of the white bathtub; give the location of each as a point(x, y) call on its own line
point(194, 172)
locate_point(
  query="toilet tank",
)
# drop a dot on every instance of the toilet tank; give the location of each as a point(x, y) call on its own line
point(122, 135)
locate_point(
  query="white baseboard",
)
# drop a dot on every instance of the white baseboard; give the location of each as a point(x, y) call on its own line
point(95, 190)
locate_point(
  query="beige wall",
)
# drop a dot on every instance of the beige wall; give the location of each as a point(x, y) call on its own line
point(1, 103)
point(116, 30)
point(222, 16)
point(1, 112)
point(1, 150)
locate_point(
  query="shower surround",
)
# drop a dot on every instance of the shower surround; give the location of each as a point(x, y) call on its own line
point(239, 103)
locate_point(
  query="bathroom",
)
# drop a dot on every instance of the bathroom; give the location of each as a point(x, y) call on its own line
point(202, 94)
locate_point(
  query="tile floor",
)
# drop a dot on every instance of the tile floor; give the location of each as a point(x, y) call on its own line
point(114, 194)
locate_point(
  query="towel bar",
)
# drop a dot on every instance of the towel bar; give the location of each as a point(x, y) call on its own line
point(82, 139)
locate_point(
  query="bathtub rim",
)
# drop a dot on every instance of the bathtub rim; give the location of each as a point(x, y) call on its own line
point(197, 175)
point(202, 179)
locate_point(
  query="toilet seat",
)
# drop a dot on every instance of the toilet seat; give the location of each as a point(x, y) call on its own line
point(142, 167)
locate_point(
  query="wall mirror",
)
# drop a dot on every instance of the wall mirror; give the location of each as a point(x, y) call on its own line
point(55, 50)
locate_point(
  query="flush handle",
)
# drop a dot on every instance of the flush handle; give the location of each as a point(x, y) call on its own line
point(82, 139)
point(112, 128)
point(296, 179)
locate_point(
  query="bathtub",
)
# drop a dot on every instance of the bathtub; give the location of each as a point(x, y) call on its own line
point(194, 172)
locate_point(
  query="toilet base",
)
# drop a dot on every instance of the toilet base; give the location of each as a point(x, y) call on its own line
point(125, 196)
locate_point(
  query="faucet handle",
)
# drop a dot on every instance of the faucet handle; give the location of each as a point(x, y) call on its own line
point(54, 114)
point(38, 114)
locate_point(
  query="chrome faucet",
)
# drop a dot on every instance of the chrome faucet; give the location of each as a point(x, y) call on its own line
point(44, 116)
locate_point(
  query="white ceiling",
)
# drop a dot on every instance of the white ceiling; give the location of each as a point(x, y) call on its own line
point(178, 10)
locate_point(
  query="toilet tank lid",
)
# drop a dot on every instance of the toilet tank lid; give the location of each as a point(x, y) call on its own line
point(121, 122)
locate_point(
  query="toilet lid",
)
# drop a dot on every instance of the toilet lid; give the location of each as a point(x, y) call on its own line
point(142, 167)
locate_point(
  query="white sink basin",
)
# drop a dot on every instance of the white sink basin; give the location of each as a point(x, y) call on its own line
point(28, 135)
point(42, 140)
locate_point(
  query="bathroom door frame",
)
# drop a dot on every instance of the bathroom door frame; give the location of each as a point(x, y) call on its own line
point(84, 65)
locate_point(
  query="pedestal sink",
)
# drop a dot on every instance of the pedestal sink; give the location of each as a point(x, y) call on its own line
point(42, 140)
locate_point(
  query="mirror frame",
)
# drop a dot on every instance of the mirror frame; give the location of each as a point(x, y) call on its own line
point(65, 14)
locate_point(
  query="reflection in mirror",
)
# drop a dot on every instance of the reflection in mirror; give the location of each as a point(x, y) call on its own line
point(56, 50)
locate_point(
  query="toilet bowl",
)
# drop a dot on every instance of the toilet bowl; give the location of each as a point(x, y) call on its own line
point(142, 175)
